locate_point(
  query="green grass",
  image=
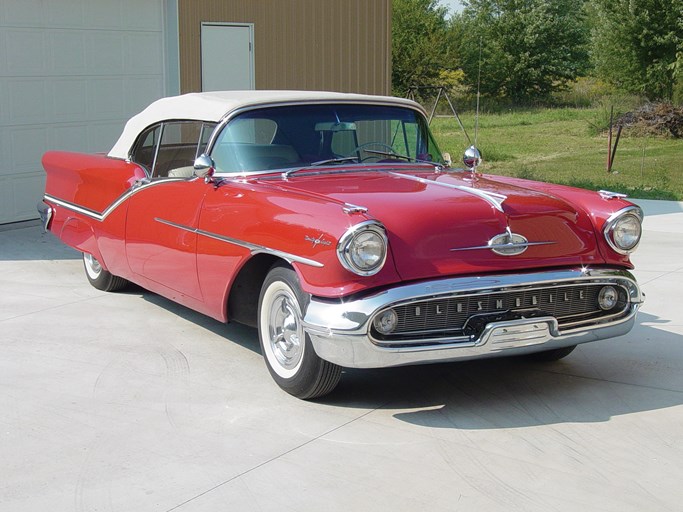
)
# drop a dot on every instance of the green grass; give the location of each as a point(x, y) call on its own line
point(561, 146)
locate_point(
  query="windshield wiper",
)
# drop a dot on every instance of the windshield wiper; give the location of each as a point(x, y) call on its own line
point(338, 160)
point(342, 159)
point(398, 155)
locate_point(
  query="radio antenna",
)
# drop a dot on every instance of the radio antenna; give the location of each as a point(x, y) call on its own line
point(476, 118)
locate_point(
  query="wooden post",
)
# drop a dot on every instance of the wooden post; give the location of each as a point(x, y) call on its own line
point(609, 140)
point(614, 150)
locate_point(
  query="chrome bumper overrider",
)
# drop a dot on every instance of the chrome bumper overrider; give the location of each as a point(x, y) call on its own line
point(339, 330)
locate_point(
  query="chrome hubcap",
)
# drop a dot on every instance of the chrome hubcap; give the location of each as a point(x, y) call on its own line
point(285, 330)
point(92, 266)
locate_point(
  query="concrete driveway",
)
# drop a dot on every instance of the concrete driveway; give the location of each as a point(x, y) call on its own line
point(128, 402)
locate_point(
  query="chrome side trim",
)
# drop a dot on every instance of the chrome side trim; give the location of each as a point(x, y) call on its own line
point(253, 248)
point(501, 246)
point(76, 208)
point(495, 200)
point(100, 216)
point(510, 247)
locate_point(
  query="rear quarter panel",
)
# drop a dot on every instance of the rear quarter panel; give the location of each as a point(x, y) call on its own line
point(83, 190)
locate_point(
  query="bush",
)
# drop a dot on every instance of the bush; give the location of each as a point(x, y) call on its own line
point(618, 104)
point(584, 92)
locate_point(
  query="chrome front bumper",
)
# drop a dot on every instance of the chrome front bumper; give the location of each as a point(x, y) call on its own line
point(340, 330)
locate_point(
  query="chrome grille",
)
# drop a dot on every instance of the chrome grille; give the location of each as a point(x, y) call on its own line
point(570, 304)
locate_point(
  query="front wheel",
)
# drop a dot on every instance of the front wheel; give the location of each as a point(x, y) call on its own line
point(287, 349)
point(100, 278)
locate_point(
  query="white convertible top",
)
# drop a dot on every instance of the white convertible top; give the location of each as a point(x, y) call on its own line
point(214, 106)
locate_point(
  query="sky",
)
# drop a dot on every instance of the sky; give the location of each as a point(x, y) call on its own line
point(453, 5)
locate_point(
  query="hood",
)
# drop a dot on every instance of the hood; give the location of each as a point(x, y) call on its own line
point(441, 223)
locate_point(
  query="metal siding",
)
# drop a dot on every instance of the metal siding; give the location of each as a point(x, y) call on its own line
point(338, 45)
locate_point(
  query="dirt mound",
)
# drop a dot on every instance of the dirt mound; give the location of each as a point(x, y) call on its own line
point(654, 119)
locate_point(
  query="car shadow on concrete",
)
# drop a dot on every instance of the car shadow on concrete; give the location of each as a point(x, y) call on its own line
point(30, 243)
point(242, 335)
point(597, 382)
point(496, 393)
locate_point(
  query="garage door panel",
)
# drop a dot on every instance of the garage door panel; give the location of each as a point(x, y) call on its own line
point(143, 54)
point(140, 92)
point(23, 12)
point(18, 196)
point(27, 101)
point(103, 14)
point(67, 49)
point(106, 98)
point(69, 137)
point(28, 145)
point(66, 13)
point(102, 136)
point(104, 52)
point(6, 162)
point(67, 99)
point(71, 73)
point(141, 15)
point(26, 50)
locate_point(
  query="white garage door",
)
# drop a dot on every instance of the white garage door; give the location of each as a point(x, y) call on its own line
point(71, 73)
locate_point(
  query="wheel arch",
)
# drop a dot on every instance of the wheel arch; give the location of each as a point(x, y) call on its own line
point(80, 235)
point(243, 297)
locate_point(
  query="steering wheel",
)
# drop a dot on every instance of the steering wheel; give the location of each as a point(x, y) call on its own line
point(361, 147)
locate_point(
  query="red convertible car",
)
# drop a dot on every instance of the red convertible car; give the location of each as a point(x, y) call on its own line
point(333, 224)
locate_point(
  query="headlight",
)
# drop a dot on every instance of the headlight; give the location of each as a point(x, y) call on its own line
point(623, 229)
point(363, 248)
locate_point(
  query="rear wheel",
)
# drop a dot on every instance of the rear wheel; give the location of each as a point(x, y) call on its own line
point(287, 349)
point(548, 356)
point(100, 278)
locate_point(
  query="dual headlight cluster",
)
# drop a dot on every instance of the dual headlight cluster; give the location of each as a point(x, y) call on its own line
point(624, 229)
point(363, 248)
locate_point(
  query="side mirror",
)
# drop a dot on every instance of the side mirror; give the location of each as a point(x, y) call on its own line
point(204, 167)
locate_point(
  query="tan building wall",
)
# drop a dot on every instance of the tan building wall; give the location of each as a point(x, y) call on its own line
point(334, 45)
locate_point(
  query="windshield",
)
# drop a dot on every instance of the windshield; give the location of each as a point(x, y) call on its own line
point(313, 135)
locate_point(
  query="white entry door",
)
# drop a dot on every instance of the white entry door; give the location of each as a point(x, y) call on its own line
point(227, 56)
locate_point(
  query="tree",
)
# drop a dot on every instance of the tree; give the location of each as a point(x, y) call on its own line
point(527, 48)
point(418, 45)
point(637, 44)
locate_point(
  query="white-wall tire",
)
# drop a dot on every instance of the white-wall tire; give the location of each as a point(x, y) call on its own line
point(286, 348)
point(100, 278)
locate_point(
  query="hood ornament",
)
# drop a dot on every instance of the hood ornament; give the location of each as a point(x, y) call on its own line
point(472, 158)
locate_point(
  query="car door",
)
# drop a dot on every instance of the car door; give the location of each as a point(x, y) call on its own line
point(163, 215)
